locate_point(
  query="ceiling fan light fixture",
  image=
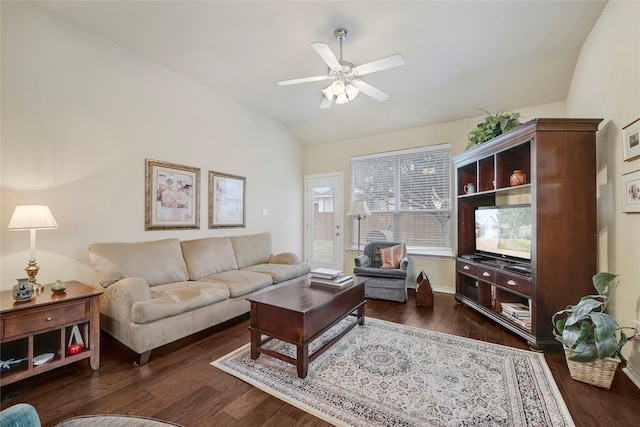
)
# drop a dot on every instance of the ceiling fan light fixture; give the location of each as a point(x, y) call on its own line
point(346, 84)
point(328, 93)
point(342, 99)
point(351, 91)
point(337, 87)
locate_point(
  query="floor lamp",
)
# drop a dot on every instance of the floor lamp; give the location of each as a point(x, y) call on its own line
point(360, 209)
point(32, 218)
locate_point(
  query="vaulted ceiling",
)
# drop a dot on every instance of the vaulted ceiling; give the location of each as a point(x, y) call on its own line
point(460, 56)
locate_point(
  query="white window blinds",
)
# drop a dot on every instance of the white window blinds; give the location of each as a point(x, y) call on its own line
point(409, 195)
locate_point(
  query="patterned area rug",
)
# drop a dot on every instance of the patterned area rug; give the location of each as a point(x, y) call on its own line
point(385, 374)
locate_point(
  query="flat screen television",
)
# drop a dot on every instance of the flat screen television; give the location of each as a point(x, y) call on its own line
point(504, 232)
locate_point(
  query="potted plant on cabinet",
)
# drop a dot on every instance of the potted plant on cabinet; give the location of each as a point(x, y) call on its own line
point(592, 339)
point(493, 126)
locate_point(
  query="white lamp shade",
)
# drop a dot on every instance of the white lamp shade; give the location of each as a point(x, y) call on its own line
point(328, 93)
point(32, 217)
point(342, 99)
point(337, 87)
point(351, 91)
point(359, 208)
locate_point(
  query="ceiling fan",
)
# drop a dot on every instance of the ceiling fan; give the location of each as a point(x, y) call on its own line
point(346, 84)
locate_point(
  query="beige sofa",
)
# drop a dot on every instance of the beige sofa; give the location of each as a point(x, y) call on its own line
point(159, 291)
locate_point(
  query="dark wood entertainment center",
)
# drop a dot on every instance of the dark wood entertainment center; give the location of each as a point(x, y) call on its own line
point(558, 157)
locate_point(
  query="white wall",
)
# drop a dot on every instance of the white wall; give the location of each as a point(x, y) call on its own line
point(335, 157)
point(606, 84)
point(79, 117)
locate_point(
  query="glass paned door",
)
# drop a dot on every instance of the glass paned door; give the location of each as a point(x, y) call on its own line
point(324, 237)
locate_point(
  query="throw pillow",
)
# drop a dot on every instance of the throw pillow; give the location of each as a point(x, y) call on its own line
point(392, 256)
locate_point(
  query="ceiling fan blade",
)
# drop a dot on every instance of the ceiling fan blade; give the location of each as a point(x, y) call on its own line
point(325, 53)
point(326, 103)
point(380, 64)
point(373, 92)
point(302, 80)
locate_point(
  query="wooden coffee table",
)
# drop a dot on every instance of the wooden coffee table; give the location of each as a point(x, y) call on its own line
point(300, 312)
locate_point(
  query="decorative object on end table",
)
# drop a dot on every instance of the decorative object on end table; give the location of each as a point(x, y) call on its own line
point(58, 287)
point(631, 140)
point(23, 291)
point(32, 218)
point(631, 192)
point(493, 126)
point(172, 196)
point(592, 339)
point(76, 343)
point(518, 177)
point(360, 210)
point(226, 200)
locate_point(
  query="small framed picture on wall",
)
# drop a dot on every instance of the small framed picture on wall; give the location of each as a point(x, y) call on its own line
point(631, 140)
point(631, 192)
point(226, 200)
point(172, 196)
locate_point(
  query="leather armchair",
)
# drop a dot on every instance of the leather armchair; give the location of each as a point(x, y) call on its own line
point(382, 283)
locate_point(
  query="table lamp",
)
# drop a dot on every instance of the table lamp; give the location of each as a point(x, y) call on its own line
point(32, 218)
point(360, 209)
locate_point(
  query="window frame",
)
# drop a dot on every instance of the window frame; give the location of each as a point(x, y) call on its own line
point(444, 213)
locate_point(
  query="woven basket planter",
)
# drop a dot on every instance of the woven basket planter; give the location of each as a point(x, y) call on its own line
point(600, 372)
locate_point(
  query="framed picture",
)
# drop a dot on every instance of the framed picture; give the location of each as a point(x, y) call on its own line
point(172, 196)
point(226, 200)
point(631, 140)
point(631, 192)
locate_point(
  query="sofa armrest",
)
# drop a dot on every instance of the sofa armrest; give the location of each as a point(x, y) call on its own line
point(118, 298)
point(284, 258)
point(362, 261)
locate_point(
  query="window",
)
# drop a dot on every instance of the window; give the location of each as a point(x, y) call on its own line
point(409, 195)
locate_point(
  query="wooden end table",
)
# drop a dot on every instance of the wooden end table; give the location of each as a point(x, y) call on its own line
point(44, 324)
point(300, 312)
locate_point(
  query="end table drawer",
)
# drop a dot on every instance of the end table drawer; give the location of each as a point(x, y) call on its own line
point(45, 318)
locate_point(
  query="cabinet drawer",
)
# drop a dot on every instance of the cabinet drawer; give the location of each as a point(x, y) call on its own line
point(514, 283)
point(467, 268)
point(44, 318)
point(486, 275)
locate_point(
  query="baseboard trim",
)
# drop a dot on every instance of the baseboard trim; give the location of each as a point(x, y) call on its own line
point(442, 289)
point(633, 374)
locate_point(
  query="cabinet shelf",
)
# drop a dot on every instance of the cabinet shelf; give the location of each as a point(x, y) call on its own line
point(518, 190)
point(558, 159)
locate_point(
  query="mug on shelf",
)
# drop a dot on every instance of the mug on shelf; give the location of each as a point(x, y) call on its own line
point(469, 188)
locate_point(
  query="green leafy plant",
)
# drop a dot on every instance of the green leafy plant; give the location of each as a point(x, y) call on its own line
point(587, 329)
point(493, 126)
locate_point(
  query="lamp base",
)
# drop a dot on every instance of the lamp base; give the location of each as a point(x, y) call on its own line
point(32, 271)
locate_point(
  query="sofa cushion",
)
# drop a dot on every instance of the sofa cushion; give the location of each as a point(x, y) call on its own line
point(280, 272)
point(240, 282)
point(208, 256)
point(157, 262)
point(251, 250)
point(175, 298)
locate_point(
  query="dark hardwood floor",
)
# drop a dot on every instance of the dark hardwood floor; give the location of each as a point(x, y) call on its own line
point(179, 385)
